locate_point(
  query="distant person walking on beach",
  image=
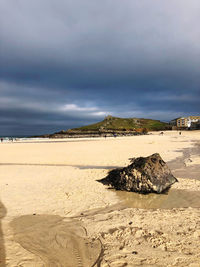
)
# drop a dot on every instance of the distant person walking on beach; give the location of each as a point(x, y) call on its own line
point(1, 140)
point(179, 133)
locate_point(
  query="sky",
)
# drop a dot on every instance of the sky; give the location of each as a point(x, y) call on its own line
point(69, 63)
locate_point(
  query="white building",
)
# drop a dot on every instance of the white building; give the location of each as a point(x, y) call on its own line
point(185, 122)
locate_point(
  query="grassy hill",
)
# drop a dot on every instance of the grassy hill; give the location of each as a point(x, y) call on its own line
point(125, 124)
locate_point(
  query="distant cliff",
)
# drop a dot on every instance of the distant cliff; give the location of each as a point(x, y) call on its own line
point(114, 126)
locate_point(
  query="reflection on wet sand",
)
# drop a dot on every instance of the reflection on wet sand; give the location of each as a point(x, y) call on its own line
point(174, 198)
point(57, 242)
point(2, 248)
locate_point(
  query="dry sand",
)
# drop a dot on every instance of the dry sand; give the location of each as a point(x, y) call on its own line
point(54, 213)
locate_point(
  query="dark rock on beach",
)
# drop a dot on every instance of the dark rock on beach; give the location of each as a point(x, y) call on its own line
point(144, 175)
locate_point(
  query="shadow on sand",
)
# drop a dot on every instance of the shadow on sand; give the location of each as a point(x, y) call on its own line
point(59, 165)
point(2, 248)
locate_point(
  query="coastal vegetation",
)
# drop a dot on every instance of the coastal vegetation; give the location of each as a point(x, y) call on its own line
point(123, 124)
point(114, 126)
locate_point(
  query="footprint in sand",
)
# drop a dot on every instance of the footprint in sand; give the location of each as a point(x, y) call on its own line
point(57, 242)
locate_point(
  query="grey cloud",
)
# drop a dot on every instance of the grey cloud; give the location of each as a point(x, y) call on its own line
point(127, 58)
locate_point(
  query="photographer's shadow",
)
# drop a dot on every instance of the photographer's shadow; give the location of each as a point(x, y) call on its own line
point(2, 247)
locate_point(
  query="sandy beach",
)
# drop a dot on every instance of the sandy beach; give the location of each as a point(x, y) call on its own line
point(54, 212)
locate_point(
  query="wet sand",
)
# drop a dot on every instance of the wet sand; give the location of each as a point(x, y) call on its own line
point(187, 165)
point(175, 198)
point(55, 211)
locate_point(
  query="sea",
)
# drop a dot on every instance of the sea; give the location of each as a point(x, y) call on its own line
point(18, 138)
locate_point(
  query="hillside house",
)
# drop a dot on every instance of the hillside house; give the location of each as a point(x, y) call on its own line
point(185, 122)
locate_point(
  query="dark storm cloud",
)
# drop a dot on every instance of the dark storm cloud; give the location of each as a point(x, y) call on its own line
point(67, 63)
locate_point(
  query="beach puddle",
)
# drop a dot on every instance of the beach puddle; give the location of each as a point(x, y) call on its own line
point(174, 198)
point(56, 241)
